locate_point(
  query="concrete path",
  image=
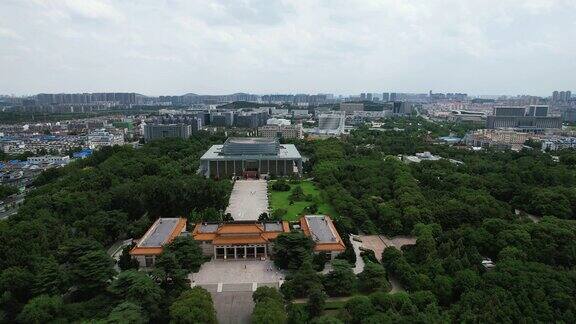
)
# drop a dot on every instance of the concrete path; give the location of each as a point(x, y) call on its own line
point(359, 266)
point(231, 284)
point(248, 200)
point(237, 271)
point(233, 307)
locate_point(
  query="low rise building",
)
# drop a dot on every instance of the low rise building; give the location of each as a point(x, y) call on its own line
point(322, 231)
point(467, 116)
point(498, 139)
point(426, 156)
point(53, 159)
point(151, 245)
point(251, 157)
point(84, 153)
point(255, 240)
point(331, 124)
point(279, 111)
point(239, 239)
point(558, 143)
point(535, 119)
point(278, 121)
point(350, 107)
point(300, 113)
point(281, 131)
point(101, 138)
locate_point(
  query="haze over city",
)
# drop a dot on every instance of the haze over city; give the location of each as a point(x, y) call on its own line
point(343, 47)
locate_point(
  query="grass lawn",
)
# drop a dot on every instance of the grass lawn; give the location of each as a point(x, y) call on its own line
point(281, 200)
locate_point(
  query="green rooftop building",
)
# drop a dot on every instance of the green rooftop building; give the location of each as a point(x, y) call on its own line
point(251, 157)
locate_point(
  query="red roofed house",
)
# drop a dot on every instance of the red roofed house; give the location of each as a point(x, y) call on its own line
point(239, 239)
point(255, 240)
point(322, 231)
point(163, 231)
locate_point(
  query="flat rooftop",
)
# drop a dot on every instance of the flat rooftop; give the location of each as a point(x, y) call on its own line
point(251, 140)
point(285, 152)
point(320, 229)
point(251, 145)
point(160, 232)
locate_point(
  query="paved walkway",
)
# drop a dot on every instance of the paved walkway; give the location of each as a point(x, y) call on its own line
point(231, 284)
point(233, 307)
point(237, 271)
point(359, 266)
point(248, 200)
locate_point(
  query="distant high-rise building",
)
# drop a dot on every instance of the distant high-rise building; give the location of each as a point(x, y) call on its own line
point(538, 111)
point(509, 111)
point(159, 131)
point(281, 131)
point(385, 96)
point(85, 98)
point(222, 118)
point(349, 107)
point(393, 96)
point(569, 115)
point(331, 124)
point(250, 119)
point(536, 119)
point(402, 108)
point(561, 96)
point(369, 96)
point(362, 96)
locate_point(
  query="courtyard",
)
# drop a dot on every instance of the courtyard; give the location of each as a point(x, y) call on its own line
point(240, 275)
point(248, 200)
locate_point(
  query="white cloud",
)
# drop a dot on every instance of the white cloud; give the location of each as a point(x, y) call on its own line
point(342, 46)
point(80, 9)
point(8, 33)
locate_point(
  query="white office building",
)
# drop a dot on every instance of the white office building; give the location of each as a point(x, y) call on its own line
point(101, 137)
point(49, 159)
point(281, 131)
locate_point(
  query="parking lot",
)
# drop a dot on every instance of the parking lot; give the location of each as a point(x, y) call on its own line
point(248, 200)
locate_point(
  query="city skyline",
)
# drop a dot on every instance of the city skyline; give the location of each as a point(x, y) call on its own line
point(216, 47)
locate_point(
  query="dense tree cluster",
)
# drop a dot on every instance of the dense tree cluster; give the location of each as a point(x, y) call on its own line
point(269, 306)
point(6, 191)
point(460, 213)
point(53, 259)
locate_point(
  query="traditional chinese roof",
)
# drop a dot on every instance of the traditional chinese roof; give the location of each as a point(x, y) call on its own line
point(322, 231)
point(239, 232)
point(163, 231)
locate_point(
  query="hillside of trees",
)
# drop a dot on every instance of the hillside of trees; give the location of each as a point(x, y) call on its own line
point(54, 265)
point(53, 260)
point(460, 214)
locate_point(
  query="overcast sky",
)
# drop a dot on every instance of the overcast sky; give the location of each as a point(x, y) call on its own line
point(158, 47)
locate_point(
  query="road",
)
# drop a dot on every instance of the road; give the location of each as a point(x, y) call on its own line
point(14, 200)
